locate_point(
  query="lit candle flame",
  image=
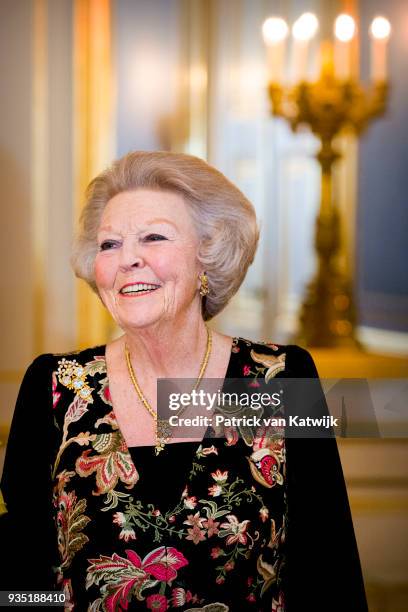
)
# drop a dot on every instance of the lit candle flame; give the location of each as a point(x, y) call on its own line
point(303, 30)
point(274, 30)
point(344, 28)
point(380, 28)
point(380, 31)
point(305, 27)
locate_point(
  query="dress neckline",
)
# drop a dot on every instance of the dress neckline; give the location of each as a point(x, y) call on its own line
point(189, 444)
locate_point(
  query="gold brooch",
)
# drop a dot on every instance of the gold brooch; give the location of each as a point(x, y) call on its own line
point(73, 376)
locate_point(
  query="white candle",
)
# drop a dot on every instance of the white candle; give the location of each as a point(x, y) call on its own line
point(299, 60)
point(275, 32)
point(380, 30)
point(379, 60)
point(303, 30)
point(342, 59)
point(344, 30)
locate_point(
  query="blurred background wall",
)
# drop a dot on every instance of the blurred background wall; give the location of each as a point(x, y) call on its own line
point(85, 81)
point(382, 280)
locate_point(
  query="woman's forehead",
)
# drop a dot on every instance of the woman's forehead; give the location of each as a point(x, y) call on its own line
point(145, 208)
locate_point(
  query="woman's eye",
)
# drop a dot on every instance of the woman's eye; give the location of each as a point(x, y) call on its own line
point(107, 244)
point(154, 237)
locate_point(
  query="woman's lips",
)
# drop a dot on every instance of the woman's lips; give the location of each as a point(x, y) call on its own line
point(137, 293)
point(138, 289)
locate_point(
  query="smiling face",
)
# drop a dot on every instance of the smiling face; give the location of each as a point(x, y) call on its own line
point(146, 269)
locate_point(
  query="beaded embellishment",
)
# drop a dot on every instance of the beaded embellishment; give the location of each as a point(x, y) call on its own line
point(73, 376)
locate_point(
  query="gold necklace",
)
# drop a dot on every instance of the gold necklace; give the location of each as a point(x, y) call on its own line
point(163, 429)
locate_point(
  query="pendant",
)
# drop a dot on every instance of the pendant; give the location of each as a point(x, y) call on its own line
point(160, 444)
point(159, 447)
point(164, 430)
point(163, 435)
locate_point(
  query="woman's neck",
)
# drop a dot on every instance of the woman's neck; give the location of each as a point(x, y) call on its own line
point(169, 349)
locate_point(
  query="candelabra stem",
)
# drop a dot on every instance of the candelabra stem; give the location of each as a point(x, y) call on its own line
point(328, 106)
point(328, 316)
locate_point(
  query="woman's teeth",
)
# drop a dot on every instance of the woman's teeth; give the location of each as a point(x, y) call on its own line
point(140, 288)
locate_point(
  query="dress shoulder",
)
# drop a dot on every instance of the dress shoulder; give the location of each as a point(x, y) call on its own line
point(40, 364)
point(269, 346)
point(81, 354)
point(297, 361)
point(47, 361)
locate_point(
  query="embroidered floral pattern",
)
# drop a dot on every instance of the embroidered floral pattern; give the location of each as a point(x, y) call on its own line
point(132, 576)
point(112, 463)
point(55, 394)
point(274, 364)
point(224, 512)
point(267, 460)
point(127, 532)
point(70, 519)
point(278, 605)
point(212, 607)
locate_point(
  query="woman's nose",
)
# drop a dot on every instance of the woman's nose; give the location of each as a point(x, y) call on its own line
point(131, 255)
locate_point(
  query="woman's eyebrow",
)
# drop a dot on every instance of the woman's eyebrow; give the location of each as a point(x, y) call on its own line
point(161, 220)
point(107, 228)
point(157, 220)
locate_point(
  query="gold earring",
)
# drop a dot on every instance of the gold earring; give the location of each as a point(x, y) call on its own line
point(204, 289)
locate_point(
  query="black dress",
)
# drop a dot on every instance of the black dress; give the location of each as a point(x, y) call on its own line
point(225, 524)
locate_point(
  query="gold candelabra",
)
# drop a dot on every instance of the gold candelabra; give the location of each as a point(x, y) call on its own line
point(329, 106)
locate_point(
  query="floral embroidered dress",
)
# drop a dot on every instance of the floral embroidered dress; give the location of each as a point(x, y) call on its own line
point(201, 526)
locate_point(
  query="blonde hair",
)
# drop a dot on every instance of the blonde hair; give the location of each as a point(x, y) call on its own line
point(224, 218)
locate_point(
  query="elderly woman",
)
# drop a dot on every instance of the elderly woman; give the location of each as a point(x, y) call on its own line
point(107, 503)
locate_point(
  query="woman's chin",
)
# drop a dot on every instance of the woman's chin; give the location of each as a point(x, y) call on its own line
point(141, 321)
